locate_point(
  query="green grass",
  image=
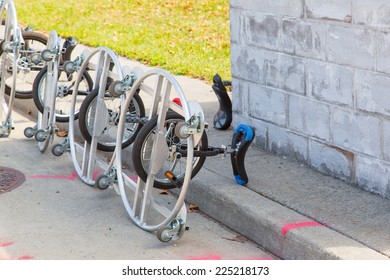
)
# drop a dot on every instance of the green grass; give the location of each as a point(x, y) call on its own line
point(185, 37)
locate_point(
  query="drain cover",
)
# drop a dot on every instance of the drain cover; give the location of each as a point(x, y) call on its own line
point(10, 179)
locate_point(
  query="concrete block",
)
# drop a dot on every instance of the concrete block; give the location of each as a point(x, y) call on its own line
point(371, 12)
point(293, 8)
point(261, 30)
point(372, 92)
point(309, 117)
point(286, 73)
point(351, 46)
point(386, 140)
point(373, 175)
point(268, 68)
point(240, 101)
point(267, 104)
point(356, 132)
point(248, 63)
point(330, 10)
point(383, 59)
point(286, 143)
point(330, 82)
point(304, 38)
point(331, 160)
point(235, 26)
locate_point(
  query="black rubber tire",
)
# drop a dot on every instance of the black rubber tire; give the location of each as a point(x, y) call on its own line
point(27, 36)
point(83, 122)
point(142, 137)
point(38, 101)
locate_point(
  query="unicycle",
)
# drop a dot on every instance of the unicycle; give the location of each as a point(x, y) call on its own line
point(45, 127)
point(164, 215)
point(11, 44)
point(84, 152)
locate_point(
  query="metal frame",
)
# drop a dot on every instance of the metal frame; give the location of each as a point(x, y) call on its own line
point(85, 156)
point(144, 198)
point(85, 167)
point(12, 42)
point(45, 127)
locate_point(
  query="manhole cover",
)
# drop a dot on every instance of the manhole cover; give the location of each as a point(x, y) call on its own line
point(10, 179)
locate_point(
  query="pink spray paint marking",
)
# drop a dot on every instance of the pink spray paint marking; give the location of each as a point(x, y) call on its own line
point(289, 227)
point(18, 258)
point(24, 258)
point(6, 244)
point(216, 257)
point(95, 174)
point(70, 178)
point(259, 259)
point(211, 257)
point(134, 178)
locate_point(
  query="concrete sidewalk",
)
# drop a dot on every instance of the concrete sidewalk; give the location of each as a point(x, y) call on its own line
point(287, 208)
point(53, 215)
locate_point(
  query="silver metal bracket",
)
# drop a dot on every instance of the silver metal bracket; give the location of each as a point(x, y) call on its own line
point(5, 129)
point(176, 228)
point(73, 66)
point(118, 88)
point(107, 179)
point(185, 129)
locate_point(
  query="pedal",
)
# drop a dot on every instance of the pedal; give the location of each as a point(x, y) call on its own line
point(173, 179)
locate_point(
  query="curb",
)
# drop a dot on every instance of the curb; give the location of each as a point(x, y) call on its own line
point(274, 227)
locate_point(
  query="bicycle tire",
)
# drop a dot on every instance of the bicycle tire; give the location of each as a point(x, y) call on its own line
point(60, 116)
point(33, 37)
point(139, 150)
point(85, 128)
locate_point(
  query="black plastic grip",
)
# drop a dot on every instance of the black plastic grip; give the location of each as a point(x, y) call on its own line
point(223, 118)
point(242, 139)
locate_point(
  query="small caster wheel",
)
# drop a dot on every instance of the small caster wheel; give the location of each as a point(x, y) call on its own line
point(57, 150)
point(69, 67)
point(47, 55)
point(102, 182)
point(40, 135)
point(29, 132)
point(115, 89)
point(36, 58)
point(7, 47)
point(164, 235)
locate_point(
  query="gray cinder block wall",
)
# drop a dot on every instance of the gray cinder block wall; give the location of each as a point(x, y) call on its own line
point(313, 78)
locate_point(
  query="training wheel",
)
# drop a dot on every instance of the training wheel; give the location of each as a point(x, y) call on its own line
point(29, 132)
point(40, 135)
point(164, 234)
point(47, 55)
point(57, 150)
point(173, 231)
point(69, 67)
point(36, 58)
point(102, 182)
